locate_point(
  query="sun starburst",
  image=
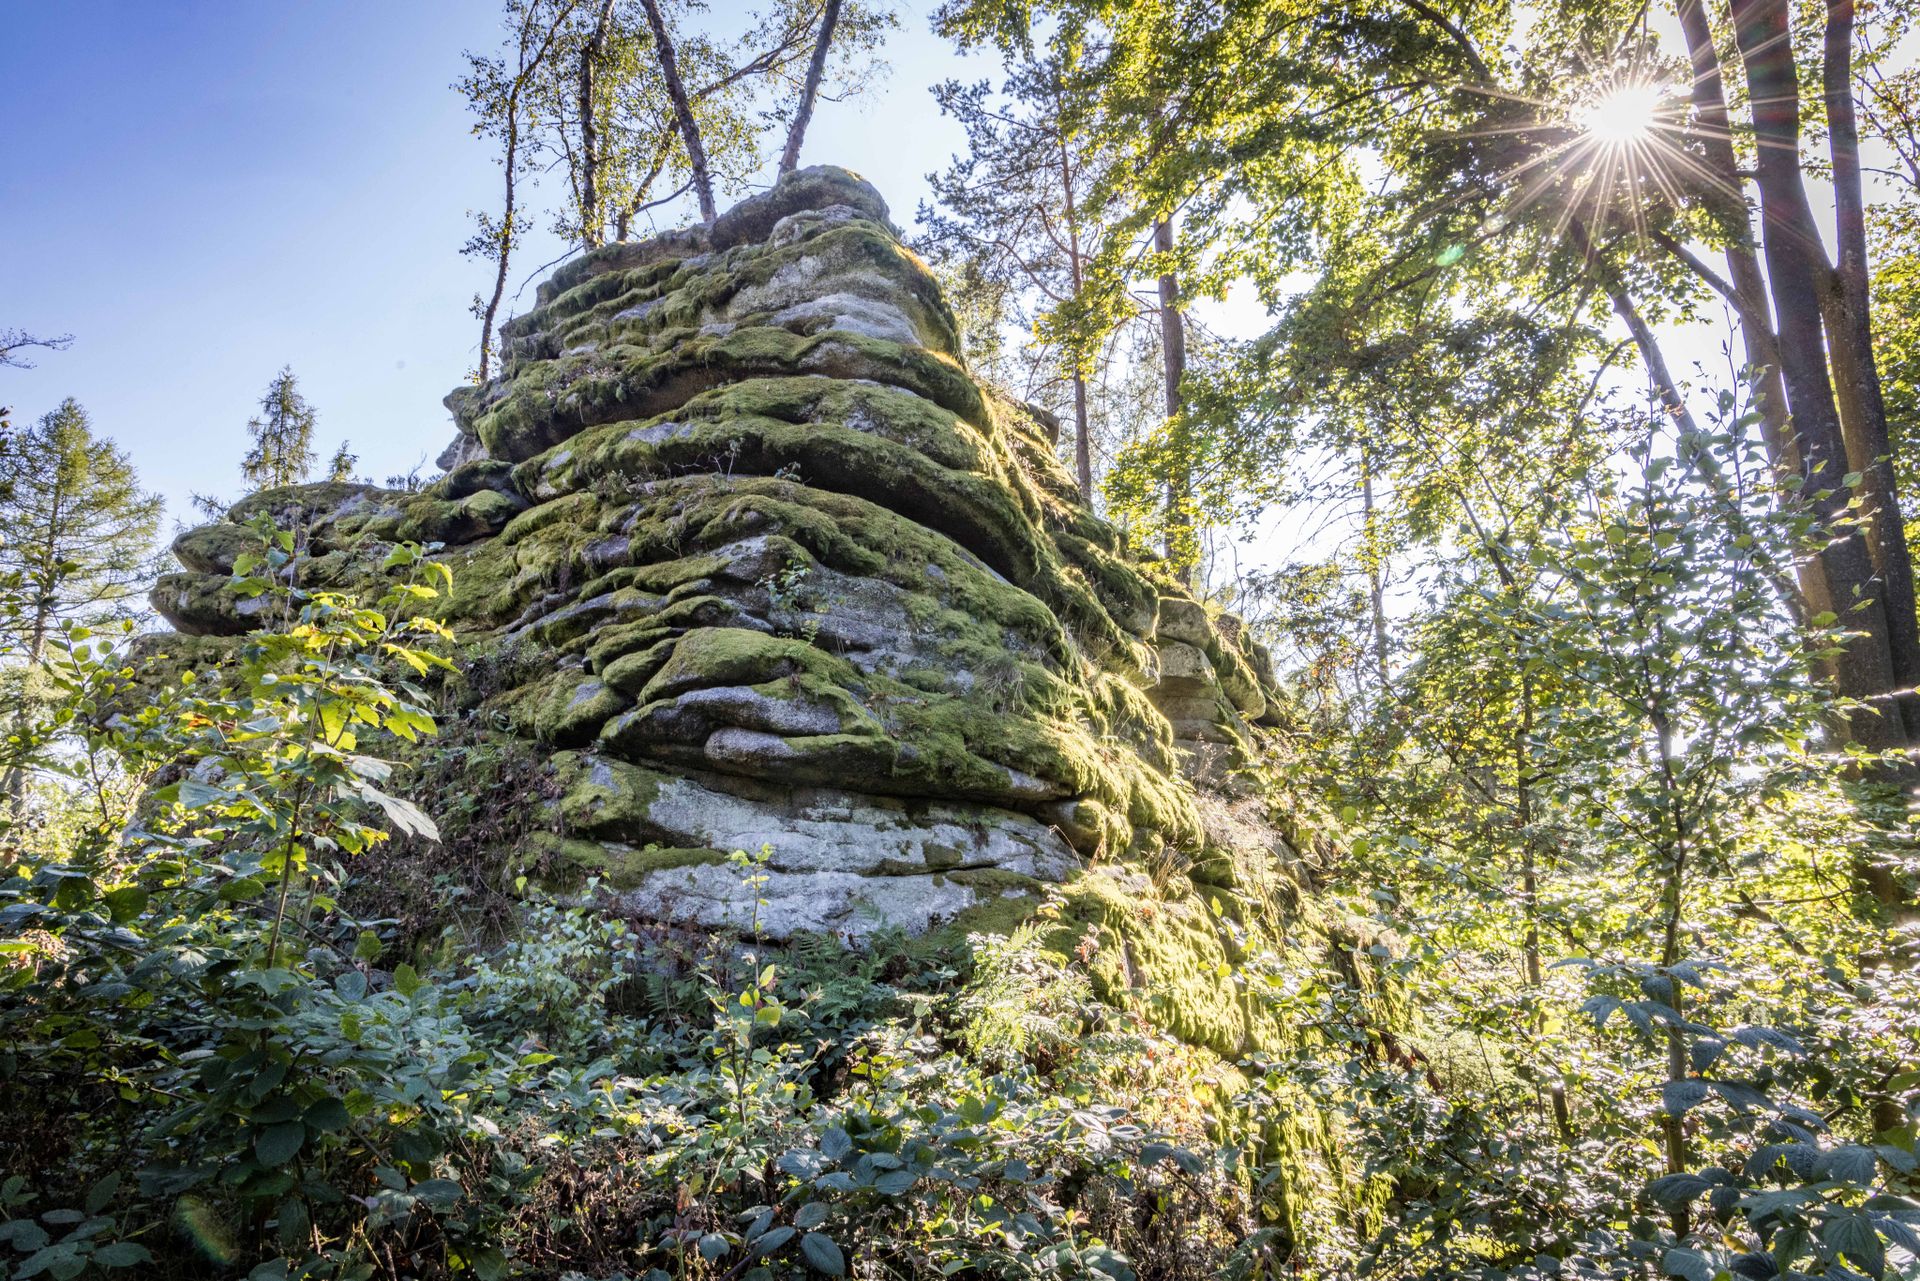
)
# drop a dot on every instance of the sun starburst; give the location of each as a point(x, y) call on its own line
point(1624, 115)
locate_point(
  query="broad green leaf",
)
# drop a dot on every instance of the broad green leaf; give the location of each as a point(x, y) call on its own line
point(278, 1144)
point(822, 1255)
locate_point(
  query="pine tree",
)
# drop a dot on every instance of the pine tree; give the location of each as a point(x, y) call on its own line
point(282, 452)
point(340, 466)
point(75, 526)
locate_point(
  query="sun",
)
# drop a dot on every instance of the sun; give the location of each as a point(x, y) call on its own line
point(1622, 116)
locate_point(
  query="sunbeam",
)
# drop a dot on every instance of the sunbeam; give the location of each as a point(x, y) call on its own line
point(1623, 116)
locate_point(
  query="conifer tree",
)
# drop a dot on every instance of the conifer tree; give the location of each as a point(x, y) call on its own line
point(75, 526)
point(282, 452)
point(340, 466)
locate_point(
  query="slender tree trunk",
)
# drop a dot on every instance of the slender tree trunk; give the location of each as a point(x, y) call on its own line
point(1173, 328)
point(1863, 408)
point(1790, 591)
point(1796, 272)
point(816, 67)
point(682, 112)
point(528, 59)
point(44, 583)
point(1743, 263)
point(1376, 557)
point(1530, 881)
point(1173, 345)
point(504, 250)
point(1082, 443)
point(591, 54)
point(1673, 900)
point(1652, 357)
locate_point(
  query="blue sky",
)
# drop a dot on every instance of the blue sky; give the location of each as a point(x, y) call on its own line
point(203, 192)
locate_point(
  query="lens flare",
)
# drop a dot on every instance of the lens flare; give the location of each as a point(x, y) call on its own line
point(1622, 116)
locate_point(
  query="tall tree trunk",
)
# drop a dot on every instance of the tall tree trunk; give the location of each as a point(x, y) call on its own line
point(1376, 564)
point(816, 67)
point(528, 59)
point(1672, 900)
point(503, 251)
point(1863, 408)
point(1530, 881)
point(1790, 592)
point(1796, 273)
point(1082, 443)
point(44, 581)
point(682, 112)
point(1749, 292)
point(591, 54)
point(1173, 346)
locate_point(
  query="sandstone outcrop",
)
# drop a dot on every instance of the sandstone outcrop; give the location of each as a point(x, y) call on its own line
point(743, 556)
point(768, 566)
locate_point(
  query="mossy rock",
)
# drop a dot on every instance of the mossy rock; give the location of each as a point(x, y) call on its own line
point(742, 552)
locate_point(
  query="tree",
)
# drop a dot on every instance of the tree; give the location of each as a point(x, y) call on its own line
point(634, 109)
point(74, 525)
point(282, 451)
point(340, 466)
point(496, 90)
point(1013, 208)
point(1480, 142)
point(810, 88)
point(702, 175)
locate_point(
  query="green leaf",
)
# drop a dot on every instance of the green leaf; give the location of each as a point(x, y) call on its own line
point(61, 1260)
point(73, 892)
point(822, 1255)
point(1852, 1164)
point(197, 795)
point(241, 889)
point(835, 1143)
point(295, 1226)
point(489, 1264)
point(367, 946)
point(441, 1194)
point(1689, 1264)
point(894, 1182)
point(101, 1193)
point(122, 1254)
point(406, 980)
point(279, 1144)
point(125, 903)
point(811, 1215)
point(1678, 1189)
point(1678, 1096)
point(771, 1240)
point(1853, 1236)
point(327, 1116)
point(402, 813)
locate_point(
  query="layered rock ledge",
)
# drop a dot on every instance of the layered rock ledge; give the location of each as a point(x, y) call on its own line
point(751, 558)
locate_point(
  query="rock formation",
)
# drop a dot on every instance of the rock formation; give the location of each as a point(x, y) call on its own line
point(745, 554)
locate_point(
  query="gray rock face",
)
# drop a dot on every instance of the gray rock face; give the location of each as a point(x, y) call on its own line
point(749, 559)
